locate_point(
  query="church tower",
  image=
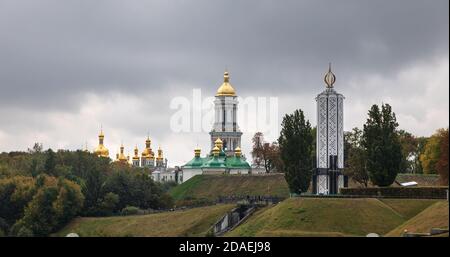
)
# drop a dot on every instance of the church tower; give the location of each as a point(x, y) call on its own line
point(147, 157)
point(101, 150)
point(328, 176)
point(136, 159)
point(225, 123)
point(121, 157)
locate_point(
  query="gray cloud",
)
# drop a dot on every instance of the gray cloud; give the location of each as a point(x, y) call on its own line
point(55, 53)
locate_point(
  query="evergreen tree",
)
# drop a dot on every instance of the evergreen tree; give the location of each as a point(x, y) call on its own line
point(382, 145)
point(50, 162)
point(295, 144)
point(355, 157)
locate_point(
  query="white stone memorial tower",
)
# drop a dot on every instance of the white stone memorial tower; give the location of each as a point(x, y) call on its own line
point(328, 176)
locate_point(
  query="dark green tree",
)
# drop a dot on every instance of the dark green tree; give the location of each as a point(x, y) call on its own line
point(295, 144)
point(409, 145)
point(50, 162)
point(381, 143)
point(355, 159)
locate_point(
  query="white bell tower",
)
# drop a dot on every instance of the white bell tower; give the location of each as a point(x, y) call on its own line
point(225, 123)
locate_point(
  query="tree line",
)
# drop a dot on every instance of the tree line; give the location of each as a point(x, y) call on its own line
point(374, 154)
point(40, 191)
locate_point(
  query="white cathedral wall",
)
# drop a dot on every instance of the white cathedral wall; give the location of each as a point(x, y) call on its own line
point(190, 173)
point(239, 171)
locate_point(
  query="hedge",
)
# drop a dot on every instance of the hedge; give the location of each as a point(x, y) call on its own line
point(398, 192)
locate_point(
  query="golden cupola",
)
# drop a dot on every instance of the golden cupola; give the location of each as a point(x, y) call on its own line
point(121, 156)
point(136, 154)
point(237, 152)
point(226, 89)
point(101, 150)
point(160, 154)
point(197, 152)
point(218, 143)
point(216, 151)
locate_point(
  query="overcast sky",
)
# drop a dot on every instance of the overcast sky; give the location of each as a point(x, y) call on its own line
point(68, 66)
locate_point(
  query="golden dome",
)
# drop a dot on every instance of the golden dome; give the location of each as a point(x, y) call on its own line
point(197, 152)
point(218, 143)
point(226, 89)
point(101, 150)
point(216, 151)
point(237, 151)
point(136, 153)
point(160, 154)
point(147, 153)
point(121, 156)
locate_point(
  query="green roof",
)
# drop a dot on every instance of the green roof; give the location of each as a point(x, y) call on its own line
point(222, 161)
point(237, 163)
point(196, 162)
point(214, 162)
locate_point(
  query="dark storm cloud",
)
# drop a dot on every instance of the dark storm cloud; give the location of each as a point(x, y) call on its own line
point(51, 52)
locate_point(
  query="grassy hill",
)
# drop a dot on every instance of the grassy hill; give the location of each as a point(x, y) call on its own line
point(191, 222)
point(435, 216)
point(212, 186)
point(330, 217)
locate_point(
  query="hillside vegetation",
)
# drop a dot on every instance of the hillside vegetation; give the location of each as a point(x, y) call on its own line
point(212, 186)
point(330, 217)
point(191, 222)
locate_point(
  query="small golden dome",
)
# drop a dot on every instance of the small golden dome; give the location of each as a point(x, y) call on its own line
point(237, 151)
point(147, 153)
point(329, 78)
point(226, 89)
point(160, 154)
point(101, 150)
point(121, 156)
point(218, 143)
point(197, 152)
point(216, 151)
point(136, 153)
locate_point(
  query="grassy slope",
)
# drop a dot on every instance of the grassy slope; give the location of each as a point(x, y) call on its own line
point(212, 186)
point(435, 216)
point(192, 222)
point(408, 208)
point(329, 217)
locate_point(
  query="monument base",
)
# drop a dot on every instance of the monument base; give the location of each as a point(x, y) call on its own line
point(328, 182)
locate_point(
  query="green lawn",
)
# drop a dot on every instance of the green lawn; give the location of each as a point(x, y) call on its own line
point(192, 222)
point(435, 216)
point(408, 208)
point(212, 186)
point(330, 217)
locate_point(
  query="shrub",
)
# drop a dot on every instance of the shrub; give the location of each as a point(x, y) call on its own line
point(130, 210)
point(398, 192)
point(25, 232)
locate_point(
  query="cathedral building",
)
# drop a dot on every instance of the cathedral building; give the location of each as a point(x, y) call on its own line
point(225, 156)
point(328, 176)
point(147, 159)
